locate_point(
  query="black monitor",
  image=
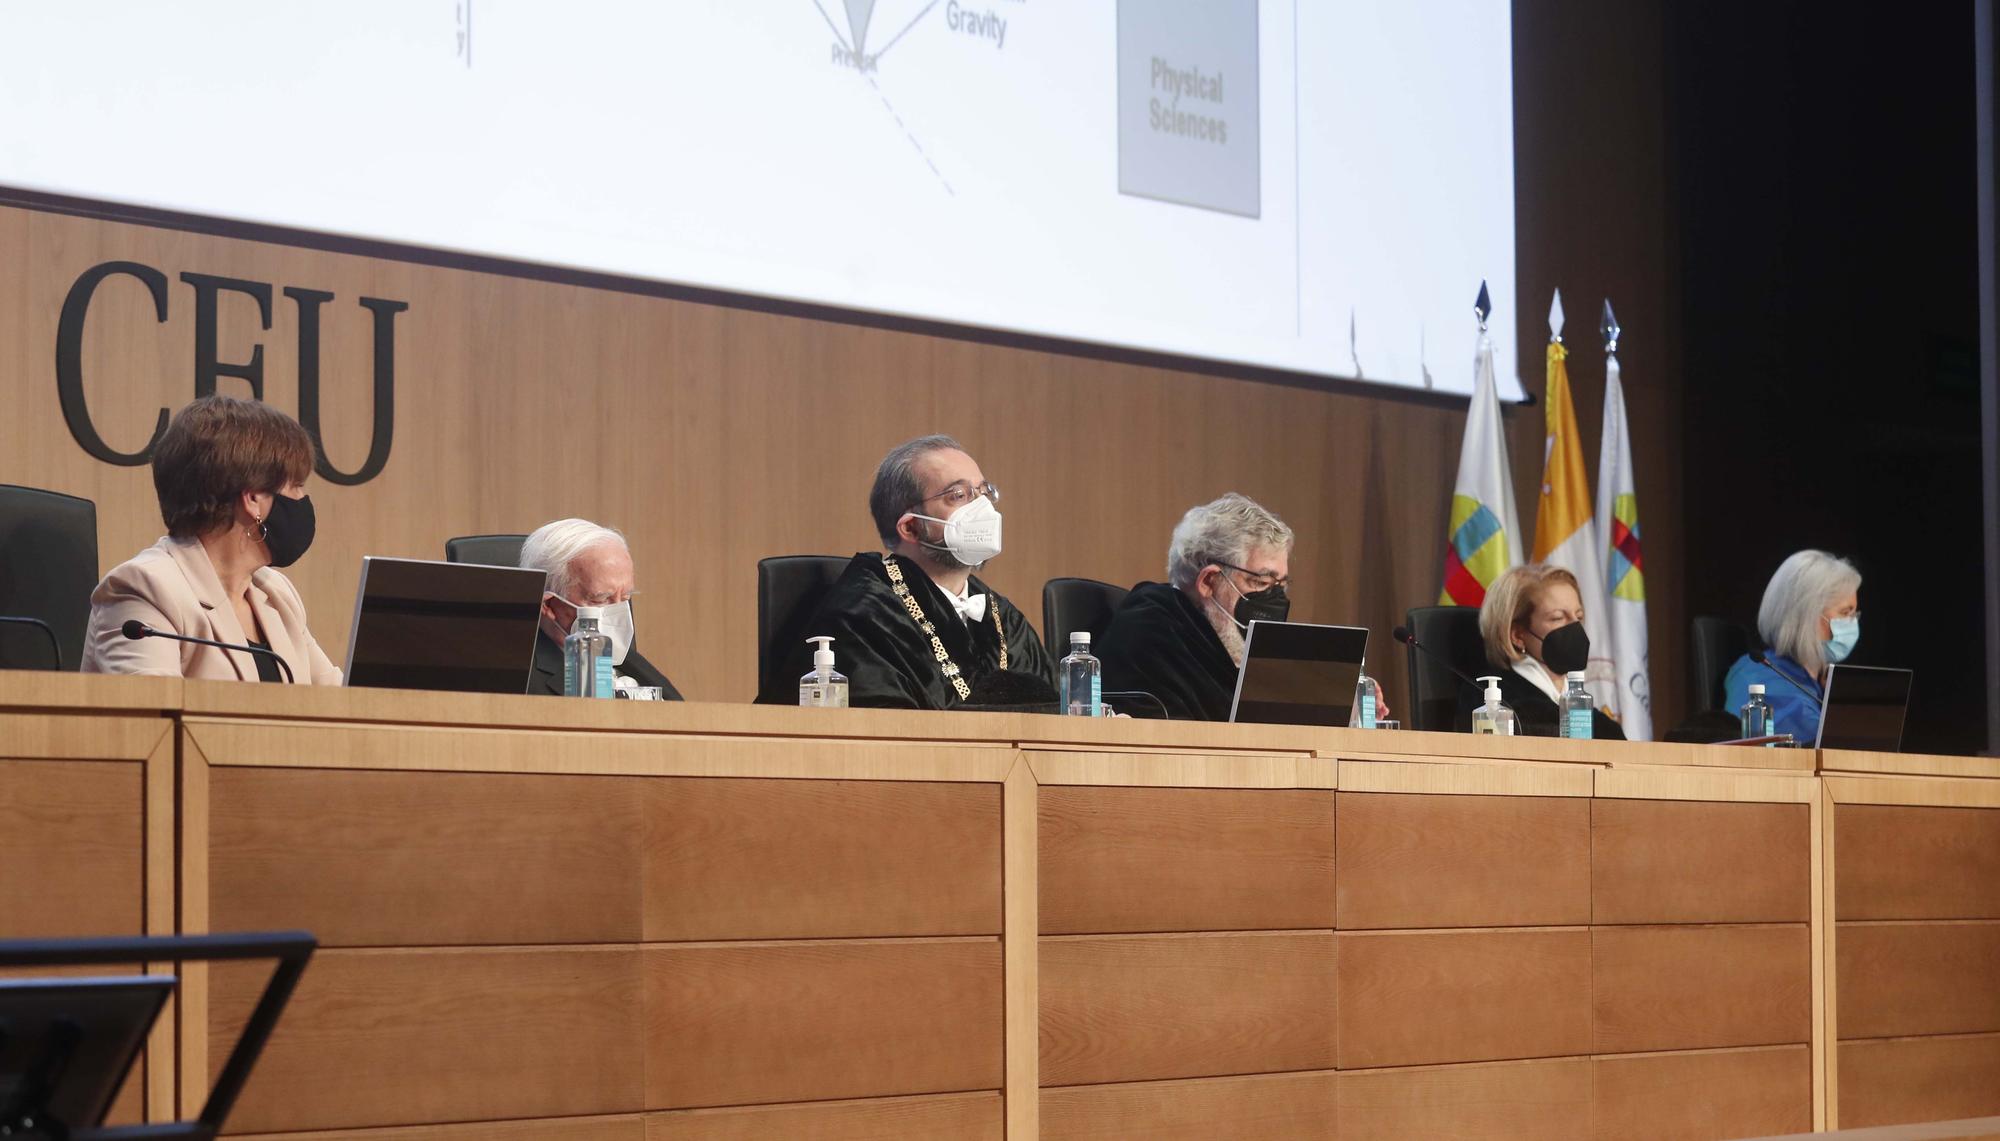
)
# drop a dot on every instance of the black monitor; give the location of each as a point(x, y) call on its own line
point(458, 627)
point(1864, 709)
point(1298, 674)
point(66, 1044)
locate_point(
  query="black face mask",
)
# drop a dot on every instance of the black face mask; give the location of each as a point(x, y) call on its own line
point(288, 529)
point(1566, 649)
point(1267, 605)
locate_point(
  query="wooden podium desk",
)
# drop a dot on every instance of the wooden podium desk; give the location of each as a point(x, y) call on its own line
point(582, 920)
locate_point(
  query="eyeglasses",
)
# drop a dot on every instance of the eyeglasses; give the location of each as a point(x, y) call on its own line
point(961, 493)
point(1258, 579)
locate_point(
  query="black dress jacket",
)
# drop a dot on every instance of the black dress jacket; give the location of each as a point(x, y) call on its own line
point(889, 662)
point(548, 673)
point(1159, 642)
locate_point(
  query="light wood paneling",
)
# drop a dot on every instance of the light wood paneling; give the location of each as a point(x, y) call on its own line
point(71, 856)
point(1470, 777)
point(1528, 1101)
point(1682, 988)
point(1901, 862)
point(765, 859)
point(1463, 861)
point(945, 1117)
point(736, 1024)
point(1700, 1097)
point(59, 737)
point(1121, 1009)
point(627, 1127)
point(1179, 768)
point(1178, 859)
point(1890, 1081)
point(1021, 947)
point(1674, 861)
point(411, 1037)
point(1901, 979)
point(1419, 999)
point(425, 859)
point(1269, 1107)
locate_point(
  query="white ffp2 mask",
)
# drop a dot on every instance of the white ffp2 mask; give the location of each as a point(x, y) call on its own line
point(972, 534)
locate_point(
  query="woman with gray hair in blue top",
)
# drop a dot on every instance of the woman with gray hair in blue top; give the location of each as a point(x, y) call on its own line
point(1810, 619)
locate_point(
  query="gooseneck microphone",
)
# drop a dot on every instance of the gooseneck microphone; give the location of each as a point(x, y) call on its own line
point(1763, 658)
point(23, 620)
point(1403, 635)
point(135, 630)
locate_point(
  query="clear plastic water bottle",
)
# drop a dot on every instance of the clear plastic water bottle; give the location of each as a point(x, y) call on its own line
point(1576, 708)
point(587, 668)
point(1367, 699)
point(1082, 679)
point(1495, 717)
point(1759, 719)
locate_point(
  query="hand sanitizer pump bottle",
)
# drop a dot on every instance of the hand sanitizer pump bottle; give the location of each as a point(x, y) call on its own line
point(1495, 717)
point(824, 687)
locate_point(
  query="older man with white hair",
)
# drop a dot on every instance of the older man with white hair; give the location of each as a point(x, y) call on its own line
point(588, 565)
point(1228, 563)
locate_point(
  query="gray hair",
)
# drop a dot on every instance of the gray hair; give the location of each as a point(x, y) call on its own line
point(554, 546)
point(896, 488)
point(1225, 531)
point(1798, 595)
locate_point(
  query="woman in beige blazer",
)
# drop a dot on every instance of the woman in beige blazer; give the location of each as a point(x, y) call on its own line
point(230, 475)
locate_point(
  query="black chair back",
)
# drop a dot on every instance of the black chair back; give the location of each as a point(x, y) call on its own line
point(48, 567)
point(485, 550)
point(1452, 633)
point(789, 588)
point(1717, 644)
point(1072, 604)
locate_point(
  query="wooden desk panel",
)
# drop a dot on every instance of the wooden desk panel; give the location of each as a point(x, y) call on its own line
point(936, 1117)
point(407, 1037)
point(1411, 999)
point(1894, 1080)
point(72, 847)
point(1269, 1107)
point(1117, 860)
point(423, 859)
point(729, 858)
point(1420, 861)
point(1678, 861)
point(1903, 979)
point(1503, 1101)
point(1690, 988)
point(1909, 862)
point(746, 1023)
point(1701, 1097)
point(1138, 1008)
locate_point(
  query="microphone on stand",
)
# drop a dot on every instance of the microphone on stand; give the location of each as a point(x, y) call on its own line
point(21, 620)
point(1403, 635)
point(1763, 658)
point(135, 630)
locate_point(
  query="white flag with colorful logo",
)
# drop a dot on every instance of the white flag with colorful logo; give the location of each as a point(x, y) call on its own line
point(1485, 535)
point(1624, 571)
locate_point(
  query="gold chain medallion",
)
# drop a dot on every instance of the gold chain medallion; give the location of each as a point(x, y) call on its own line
point(946, 666)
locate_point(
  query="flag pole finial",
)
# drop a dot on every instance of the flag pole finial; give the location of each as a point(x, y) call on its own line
point(1556, 319)
point(1482, 306)
point(1609, 327)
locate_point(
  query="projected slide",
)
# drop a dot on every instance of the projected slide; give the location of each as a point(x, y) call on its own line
point(1312, 185)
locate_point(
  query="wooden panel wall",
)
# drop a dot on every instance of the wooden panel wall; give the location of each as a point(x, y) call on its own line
point(516, 947)
point(1917, 955)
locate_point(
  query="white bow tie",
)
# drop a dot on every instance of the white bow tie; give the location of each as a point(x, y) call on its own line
point(972, 608)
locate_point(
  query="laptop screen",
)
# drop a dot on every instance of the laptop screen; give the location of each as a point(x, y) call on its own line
point(1298, 674)
point(1865, 707)
point(459, 627)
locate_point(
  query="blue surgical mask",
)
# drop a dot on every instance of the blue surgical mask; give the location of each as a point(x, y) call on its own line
point(1846, 632)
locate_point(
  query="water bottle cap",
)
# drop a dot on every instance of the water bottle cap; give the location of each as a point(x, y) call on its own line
point(1757, 687)
point(1576, 675)
point(594, 613)
point(1079, 637)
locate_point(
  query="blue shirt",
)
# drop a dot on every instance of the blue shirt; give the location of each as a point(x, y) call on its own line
point(1794, 712)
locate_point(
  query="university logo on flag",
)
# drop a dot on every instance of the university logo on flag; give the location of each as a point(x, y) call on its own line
point(1477, 553)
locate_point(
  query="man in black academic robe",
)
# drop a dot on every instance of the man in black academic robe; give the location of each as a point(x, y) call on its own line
point(1159, 642)
point(937, 516)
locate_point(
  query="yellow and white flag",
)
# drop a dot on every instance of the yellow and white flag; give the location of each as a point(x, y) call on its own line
point(1564, 535)
point(1624, 619)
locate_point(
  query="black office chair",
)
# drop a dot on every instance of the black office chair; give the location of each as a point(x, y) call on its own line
point(1072, 604)
point(1450, 632)
point(789, 588)
point(1717, 644)
point(485, 550)
point(48, 567)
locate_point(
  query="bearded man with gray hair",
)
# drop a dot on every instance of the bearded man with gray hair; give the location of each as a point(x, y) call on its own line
point(588, 565)
point(1182, 640)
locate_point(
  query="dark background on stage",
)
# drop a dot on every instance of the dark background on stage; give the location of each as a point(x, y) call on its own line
point(1823, 173)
